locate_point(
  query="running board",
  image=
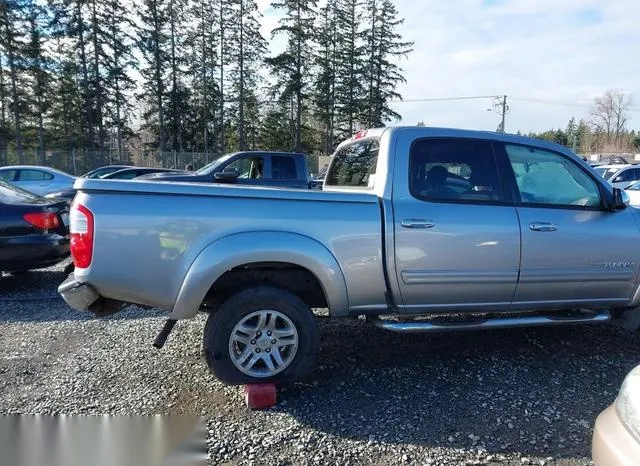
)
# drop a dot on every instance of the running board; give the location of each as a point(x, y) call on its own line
point(441, 325)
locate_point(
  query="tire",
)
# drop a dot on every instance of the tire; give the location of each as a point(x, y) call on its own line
point(286, 313)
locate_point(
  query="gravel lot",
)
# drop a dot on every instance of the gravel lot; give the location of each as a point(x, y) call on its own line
point(498, 397)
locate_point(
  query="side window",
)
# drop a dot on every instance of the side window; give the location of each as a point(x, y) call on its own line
point(283, 167)
point(454, 170)
point(545, 177)
point(630, 174)
point(7, 175)
point(354, 165)
point(248, 167)
point(34, 175)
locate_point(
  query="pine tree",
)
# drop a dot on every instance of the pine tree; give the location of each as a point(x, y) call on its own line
point(38, 66)
point(153, 43)
point(11, 18)
point(245, 54)
point(292, 68)
point(202, 42)
point(119, 61)
point(325, 62)
point(350, 70)
point(384, 46)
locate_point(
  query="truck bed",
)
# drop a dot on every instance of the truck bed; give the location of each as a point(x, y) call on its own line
point(148, 234)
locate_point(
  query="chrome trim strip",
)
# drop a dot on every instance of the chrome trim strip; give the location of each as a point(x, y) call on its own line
point(450, 277)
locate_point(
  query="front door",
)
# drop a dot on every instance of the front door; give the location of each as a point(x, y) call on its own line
point(457, 236)
point(574, 251)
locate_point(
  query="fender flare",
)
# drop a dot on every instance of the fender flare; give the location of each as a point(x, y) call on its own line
point(260, 246)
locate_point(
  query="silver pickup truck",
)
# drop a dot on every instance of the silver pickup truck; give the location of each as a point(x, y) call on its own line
point(415, 230)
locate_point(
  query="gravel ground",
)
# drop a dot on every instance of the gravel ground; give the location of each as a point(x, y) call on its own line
point(496, 397)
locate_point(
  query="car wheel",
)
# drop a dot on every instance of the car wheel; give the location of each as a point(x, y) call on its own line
point(261, 334)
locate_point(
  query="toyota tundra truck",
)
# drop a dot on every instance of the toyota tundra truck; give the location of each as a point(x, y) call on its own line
point(415, 230)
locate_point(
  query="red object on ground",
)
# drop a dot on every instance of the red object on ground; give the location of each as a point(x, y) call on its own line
point(260, 395)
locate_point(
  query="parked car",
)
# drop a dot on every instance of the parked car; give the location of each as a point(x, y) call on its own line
point(126, 173)
point(275, 169)
point(634, 194)
point(131, 173)
point(36, 179)
point(33, 230)
point(616, 434)
point(413, 227)
point(102, 171)
point(620, 176)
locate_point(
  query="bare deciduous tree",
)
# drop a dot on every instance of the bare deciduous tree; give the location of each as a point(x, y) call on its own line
point(609, 116)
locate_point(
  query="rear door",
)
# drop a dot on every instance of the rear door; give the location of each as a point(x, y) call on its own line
point(285, 171)
point(574, 251)
point(36, 181)
point(457, 235)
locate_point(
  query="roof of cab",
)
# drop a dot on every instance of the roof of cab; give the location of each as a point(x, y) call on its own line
point(434, 131)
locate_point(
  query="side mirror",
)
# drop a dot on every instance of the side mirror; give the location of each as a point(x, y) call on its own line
point(618, 179)
point(621, 199)
point(227, 175)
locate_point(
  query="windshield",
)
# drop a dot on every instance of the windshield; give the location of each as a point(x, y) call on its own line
point(211, 166)
point(606, 173)
point(10, 194)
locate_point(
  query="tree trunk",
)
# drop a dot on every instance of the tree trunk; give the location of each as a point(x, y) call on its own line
point(158, 78)
point(205, 122)
point(298, 126)
point(371, 66)
point(87, 117)
point(116, 82)
point(14, 87)
point(97, 83)
point(177, 139)
point(241, 136)
point(222, 135)
point(3, 118)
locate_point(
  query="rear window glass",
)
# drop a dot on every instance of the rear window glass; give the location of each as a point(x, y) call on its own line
point(354, 165)
point(12, 195)
point(34, 175)
point(283, 168)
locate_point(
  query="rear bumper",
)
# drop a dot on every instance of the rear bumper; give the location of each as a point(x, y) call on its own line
point(84, 297)
point(78, 296)
point(612, 443)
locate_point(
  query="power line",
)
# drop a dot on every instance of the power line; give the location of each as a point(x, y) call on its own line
point(438, 99)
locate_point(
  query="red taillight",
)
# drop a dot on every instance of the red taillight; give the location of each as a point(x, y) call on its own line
point(42, 220)
point(81, 229)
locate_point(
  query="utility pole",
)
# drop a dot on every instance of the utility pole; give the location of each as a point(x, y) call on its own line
point(500, 104)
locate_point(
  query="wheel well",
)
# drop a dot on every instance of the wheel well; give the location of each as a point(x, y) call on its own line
point(294, 278)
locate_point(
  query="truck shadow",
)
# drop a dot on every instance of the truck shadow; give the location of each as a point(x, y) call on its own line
point(536, 392)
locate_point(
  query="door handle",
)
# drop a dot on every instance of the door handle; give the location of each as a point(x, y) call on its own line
point(417, 223)
point(542, 226)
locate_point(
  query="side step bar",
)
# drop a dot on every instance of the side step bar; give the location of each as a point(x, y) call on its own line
point(440, 325)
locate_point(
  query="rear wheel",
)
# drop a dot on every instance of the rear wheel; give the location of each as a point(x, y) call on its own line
point(261, 334)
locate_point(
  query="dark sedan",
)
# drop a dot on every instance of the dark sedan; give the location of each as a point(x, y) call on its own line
point(102, 171)
point(33, 230)
point(131, 173)
point(127, 173)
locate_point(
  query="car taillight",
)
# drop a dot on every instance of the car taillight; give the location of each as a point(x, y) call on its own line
point(81, 230)
point(42, 220)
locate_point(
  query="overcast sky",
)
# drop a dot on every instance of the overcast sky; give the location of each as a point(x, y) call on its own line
point(562, 53)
